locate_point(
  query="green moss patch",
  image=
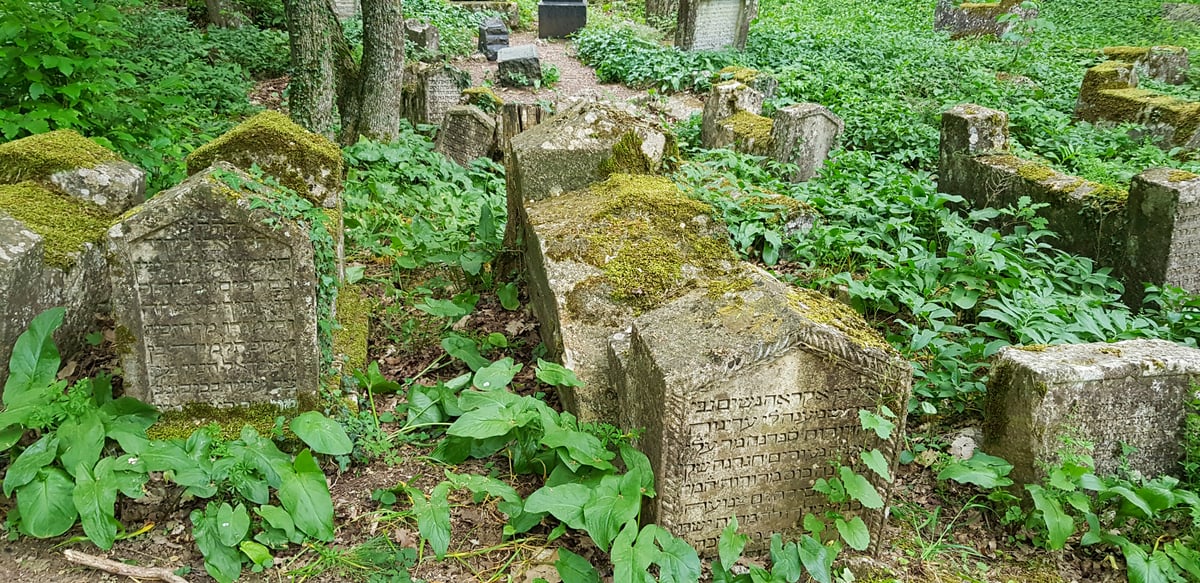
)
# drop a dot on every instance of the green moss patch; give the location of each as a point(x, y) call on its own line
point(1181, 176)
point(752, 132)
point(822, 309)
point(1126, 53)
point(272, 133)
point(65, 223)
point(736, 73)
point(483, 98)
point(37, 157)
point(354, 317)
point(182, 423)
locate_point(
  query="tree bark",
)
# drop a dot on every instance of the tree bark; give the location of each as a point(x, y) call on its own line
point(382, 69)
point(223, 14)
point(312, 91)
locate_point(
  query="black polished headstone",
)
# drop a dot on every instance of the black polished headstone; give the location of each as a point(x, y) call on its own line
point(561, 17)
point(493, 36)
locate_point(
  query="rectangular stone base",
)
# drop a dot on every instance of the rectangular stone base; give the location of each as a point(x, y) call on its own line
point(559, 19)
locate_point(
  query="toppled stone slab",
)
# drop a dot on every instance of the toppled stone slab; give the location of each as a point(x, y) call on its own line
point(305, 162)
point(467, 133)
point(745, 397)
point(596, 257)
point(712, 25)
point(76, 166)
point(430, 90)
point(804, 134)
point(1109, 94)
point(1043, 401)
point(978, 19)
point(726, 99)
point(519, 66)
point(493, 36)
point(212, 304)
point(1165, 64)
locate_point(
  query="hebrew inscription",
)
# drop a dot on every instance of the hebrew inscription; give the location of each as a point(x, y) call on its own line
point(1183, 264)
point(716, 24)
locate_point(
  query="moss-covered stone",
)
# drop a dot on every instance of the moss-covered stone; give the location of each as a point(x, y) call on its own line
point(822, 309)
point(37, 157)
point(65, 223)
point(751, 133)
point(354, 317)
point(737, 73)
point(1034, 171)
point(1181, 176)
point(305, 162)
point(483, 98)
point(182, 423)
point(1126, 53)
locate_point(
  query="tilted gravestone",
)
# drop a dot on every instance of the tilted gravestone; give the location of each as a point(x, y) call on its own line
point(1049, 400)
point(804, 134)
point(59, 192)
point(726, 99)
point(1164, 230)
point(212, 304)
point(746, 397)
point(424, 36)
point(493, 36)
point(467, 133)
point(978, 19)
point(710, 25)
point(559, 18)
point(519, 66)
point(430, 90)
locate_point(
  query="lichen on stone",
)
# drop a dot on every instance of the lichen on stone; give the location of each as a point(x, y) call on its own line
point(1181, 176)
point(750, 130)
point(822, 309)
point(483, 98)
point(37, 157)
point(736, 73)
point(306, 155)
point(65, 223)
point(350, 340)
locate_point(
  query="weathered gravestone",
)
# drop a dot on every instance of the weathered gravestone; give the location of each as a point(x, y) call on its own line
point(1043, 401)
point(424, 36)
point(746, 397)
point(467, 133)
point(493, 36)
point(430, 90)
point(709, 25)
point(346, 9)
point(519, 66)
point(804, 134)
point(744, 132)
point(1164, 231)
point(59, 192)
point(1109, 93)
point(726, 99)
point(1165, 64)
point(1181, 12)
point(212, 304)
point(514, 118)
point(974, 19)
point(559, 18)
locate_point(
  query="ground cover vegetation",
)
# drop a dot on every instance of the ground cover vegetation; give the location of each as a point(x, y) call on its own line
point(460, 403)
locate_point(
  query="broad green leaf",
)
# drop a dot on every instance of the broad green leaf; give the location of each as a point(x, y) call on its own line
point(678, 561)
point(1059, 526)
point(1187, 559)
point(860, 489)
point(305, 495)
point(637, 462)
point(615, 501)
point(9, 436)
point(262, 455)
point(855, 533)
point(258, 554)
point(509, 296)
point(816, 558)
point(80, 440)
point(221, 561)
point(95, 498)
point(578, 447)
point(423, 406)
point(128, 410)
point(556, 375)
point(785, 560)
point(731, 544)
point(875, 461)
point(25, 468)
point(496, 375)
point(34, 361)
point(874, 422)
point(465, 350)
point(484, 484)
point(232, 524)
point(1134, 501)
point(564, 502)
point(573, 568)
point(251, 488)
point(322, 434)
point(46, 504)
point(629, 561)
point(490, 421)
point(433, 517)
point(278, 518)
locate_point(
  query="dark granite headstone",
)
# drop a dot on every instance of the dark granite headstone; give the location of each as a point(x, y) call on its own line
point(519, 66)
point(559, 18)
point(493, 36)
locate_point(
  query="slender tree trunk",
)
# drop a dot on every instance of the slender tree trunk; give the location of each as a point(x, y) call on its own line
point(312, 91)
point(382, 69)
point(224, 14)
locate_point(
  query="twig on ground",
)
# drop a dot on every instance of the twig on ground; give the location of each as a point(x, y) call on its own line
point(110, 566)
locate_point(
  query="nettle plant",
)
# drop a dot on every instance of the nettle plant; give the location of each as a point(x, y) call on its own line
point(72, 450)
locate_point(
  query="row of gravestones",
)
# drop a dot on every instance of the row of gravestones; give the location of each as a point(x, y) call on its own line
point(215, 297)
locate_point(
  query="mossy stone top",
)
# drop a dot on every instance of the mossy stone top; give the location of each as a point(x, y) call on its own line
point(37, 157)
point(65, 223)
point(305, 162)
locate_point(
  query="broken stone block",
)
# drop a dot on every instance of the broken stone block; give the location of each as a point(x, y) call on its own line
point(76, 166)
point(519, 66)
point(21, 263)
point(746, 395)
point(1110, 94)
point(1164, 232)
point(430, 90)
point(597, 256)
point(493, 36)
point(978, 19)
point(804, 134)
point(1043, 402)
point(712, 25)
point(760, 81)
point(746, 133)
point(467, 133)
point(515, 118)
point(723, 101)
point(1165, 64)
point(215, 302)
point(424, 36)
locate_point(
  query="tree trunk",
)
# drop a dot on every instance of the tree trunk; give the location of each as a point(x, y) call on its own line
point(382, 69)
point(312, 91)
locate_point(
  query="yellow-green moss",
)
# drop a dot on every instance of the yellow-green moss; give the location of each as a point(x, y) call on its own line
point(1126, 53)
point(1181, 176)
point(181, 424)
point(483, 98)
point(350, 340)
point(822, 309)
point(627, 157)
point(270, 132)
point(750, 130)
point(39, 156)
point(1035, 172)
point(65, 223)
point(743, 74)
point(1033, 347)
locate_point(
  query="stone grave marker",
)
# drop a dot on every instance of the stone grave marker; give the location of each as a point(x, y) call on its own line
point(493, 36)
point(76, 166)
point(1045, 400)
point(977, 19)
point(467, 133)
point(346, 9)
point(726, 99)
point(803, 134)
point(745, 398)
point(424, 36)
point(709, 25)
point(1181, 12)
point(213, 305)
point(559, 18)
point(1164, 231)
point(1165, 64)
point(519, 66)
point(430, 90)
